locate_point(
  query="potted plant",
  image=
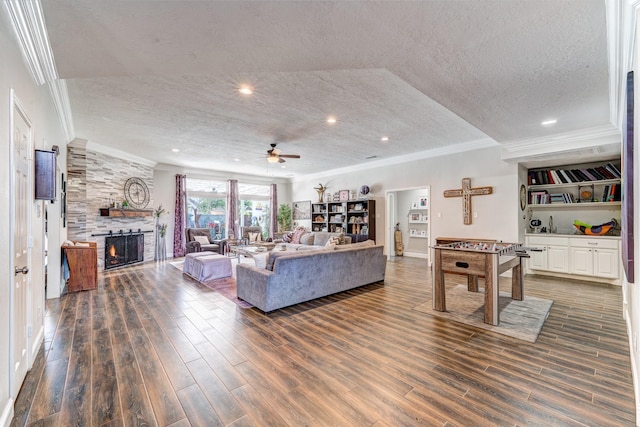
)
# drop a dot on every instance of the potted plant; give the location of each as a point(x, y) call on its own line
point(284, 217)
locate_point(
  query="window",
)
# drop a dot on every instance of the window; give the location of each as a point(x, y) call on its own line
point(206, 206)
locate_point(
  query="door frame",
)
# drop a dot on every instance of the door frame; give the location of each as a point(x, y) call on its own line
point(391, 197)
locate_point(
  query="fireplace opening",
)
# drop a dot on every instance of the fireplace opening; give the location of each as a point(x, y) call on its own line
point(123, 249)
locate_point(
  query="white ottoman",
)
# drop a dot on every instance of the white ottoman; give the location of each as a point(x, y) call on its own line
point(208, 267)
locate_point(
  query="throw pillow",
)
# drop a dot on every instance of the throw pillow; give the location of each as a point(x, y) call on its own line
point(254, 237)
point(333, 241)
point(297, 234)
point(203, 240)
point(286, 238)
point(307, 239)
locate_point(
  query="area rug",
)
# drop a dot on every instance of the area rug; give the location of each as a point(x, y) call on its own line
point(518, 319)
point(225, 286)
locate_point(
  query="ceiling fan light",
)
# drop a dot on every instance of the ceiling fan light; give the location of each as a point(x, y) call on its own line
point(273, 159)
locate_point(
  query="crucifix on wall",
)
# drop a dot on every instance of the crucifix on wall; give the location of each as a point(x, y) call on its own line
point(466, 192)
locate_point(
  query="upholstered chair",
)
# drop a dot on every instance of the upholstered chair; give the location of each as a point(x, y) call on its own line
point(251, 234)
point(199, 239)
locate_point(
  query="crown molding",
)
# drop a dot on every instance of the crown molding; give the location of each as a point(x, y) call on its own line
point(436, 152)
point(591, 138)
point(92, 146)
point(219, 174)
point(31, 32)
point(621, 28)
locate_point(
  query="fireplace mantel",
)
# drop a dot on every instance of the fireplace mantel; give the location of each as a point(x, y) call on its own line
point(118, 212)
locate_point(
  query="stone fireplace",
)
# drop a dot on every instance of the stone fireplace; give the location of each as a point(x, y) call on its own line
point(93, 179)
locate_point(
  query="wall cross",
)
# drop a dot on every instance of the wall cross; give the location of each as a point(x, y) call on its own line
point(466, 192)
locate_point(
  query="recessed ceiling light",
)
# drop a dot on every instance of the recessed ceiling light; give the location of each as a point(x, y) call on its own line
point(283, 167)
point(245, 90)
point(549, 122)
point(384, 139)
point(236, 159)
point(331, 120)
point(175, 150)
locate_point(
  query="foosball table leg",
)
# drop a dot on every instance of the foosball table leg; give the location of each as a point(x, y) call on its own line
point(472, 283)
point(516, 282)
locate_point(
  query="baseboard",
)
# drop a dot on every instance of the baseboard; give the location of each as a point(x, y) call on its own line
point(7, 414)
point(416, 255)
point(37, 342)
point(634, 366)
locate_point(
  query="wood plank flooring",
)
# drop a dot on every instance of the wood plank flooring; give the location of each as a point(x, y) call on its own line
point(151, 347)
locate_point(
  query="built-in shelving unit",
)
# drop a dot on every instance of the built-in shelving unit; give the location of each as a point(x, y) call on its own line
point(355, 218)
point(419, 219)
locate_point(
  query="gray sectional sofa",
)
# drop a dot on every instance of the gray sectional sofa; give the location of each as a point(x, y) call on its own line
point(300, 276)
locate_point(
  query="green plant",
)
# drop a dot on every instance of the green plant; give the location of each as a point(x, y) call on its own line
point(284, 217)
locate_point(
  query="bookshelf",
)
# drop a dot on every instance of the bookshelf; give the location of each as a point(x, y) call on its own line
point(584, 185)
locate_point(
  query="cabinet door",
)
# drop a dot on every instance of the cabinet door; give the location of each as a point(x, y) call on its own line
point(605, 263)
point(582, 261)
point(558, 259)
point(538, 260)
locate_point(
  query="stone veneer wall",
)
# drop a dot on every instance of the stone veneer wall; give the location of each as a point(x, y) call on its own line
point(91, 178)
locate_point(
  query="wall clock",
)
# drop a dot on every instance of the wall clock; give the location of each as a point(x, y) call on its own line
point(523, 197)
point(136, 193)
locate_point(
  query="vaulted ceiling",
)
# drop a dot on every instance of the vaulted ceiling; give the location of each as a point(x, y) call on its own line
point(146, 77)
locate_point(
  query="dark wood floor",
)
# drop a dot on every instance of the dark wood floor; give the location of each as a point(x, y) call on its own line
point(151, 347)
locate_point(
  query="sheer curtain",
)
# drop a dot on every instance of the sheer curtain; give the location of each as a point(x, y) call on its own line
point(180, 220)
point(273, 208)
point(232, 209)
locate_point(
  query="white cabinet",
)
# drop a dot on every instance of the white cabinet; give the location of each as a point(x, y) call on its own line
point(597, 257)
point(553, 254)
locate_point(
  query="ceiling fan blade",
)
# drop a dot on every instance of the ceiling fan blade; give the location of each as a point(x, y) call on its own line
point(290, 156)
point(280, 159)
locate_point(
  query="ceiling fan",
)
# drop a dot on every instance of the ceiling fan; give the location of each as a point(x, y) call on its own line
point(274, 155)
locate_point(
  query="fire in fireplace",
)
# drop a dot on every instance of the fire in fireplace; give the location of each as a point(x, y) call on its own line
point(123, 249)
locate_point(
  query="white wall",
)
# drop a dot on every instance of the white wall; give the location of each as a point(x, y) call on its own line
point(47, 132)
point(497, 214)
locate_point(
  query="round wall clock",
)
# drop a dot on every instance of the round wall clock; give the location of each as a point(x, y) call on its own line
point(523, 197)
point(136, 193)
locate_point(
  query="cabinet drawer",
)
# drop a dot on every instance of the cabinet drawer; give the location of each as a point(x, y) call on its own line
point(546, 240)
point(594, 243)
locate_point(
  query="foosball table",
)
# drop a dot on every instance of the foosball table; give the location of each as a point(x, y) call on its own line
point(476, 258)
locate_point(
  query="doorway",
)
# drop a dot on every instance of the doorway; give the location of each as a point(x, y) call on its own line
point(408, 210)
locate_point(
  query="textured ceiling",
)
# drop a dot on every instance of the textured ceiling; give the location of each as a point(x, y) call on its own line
point(147, 76)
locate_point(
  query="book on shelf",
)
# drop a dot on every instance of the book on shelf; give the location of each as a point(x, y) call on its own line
point(570, 176)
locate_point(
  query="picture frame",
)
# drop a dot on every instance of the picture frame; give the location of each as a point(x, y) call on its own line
point(301, 210)
point(416, 217)
point(344, 195)
point(414, 205)
point(423, 202)
point(423, 233)
point(413, 232)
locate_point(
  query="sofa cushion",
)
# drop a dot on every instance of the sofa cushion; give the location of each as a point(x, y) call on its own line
point(357, 245)
point(322, 237)
point(255, 237)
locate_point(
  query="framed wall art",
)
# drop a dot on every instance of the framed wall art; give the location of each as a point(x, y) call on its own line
point(302, 210)
point(344, 195)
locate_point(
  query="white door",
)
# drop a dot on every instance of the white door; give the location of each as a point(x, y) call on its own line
point(538, 260)
point(21, 149)
point(606, 263)
point(582, 261)
point(558, 259)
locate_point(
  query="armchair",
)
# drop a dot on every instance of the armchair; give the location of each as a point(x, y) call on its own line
point(251, 234)
point(199, 239)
